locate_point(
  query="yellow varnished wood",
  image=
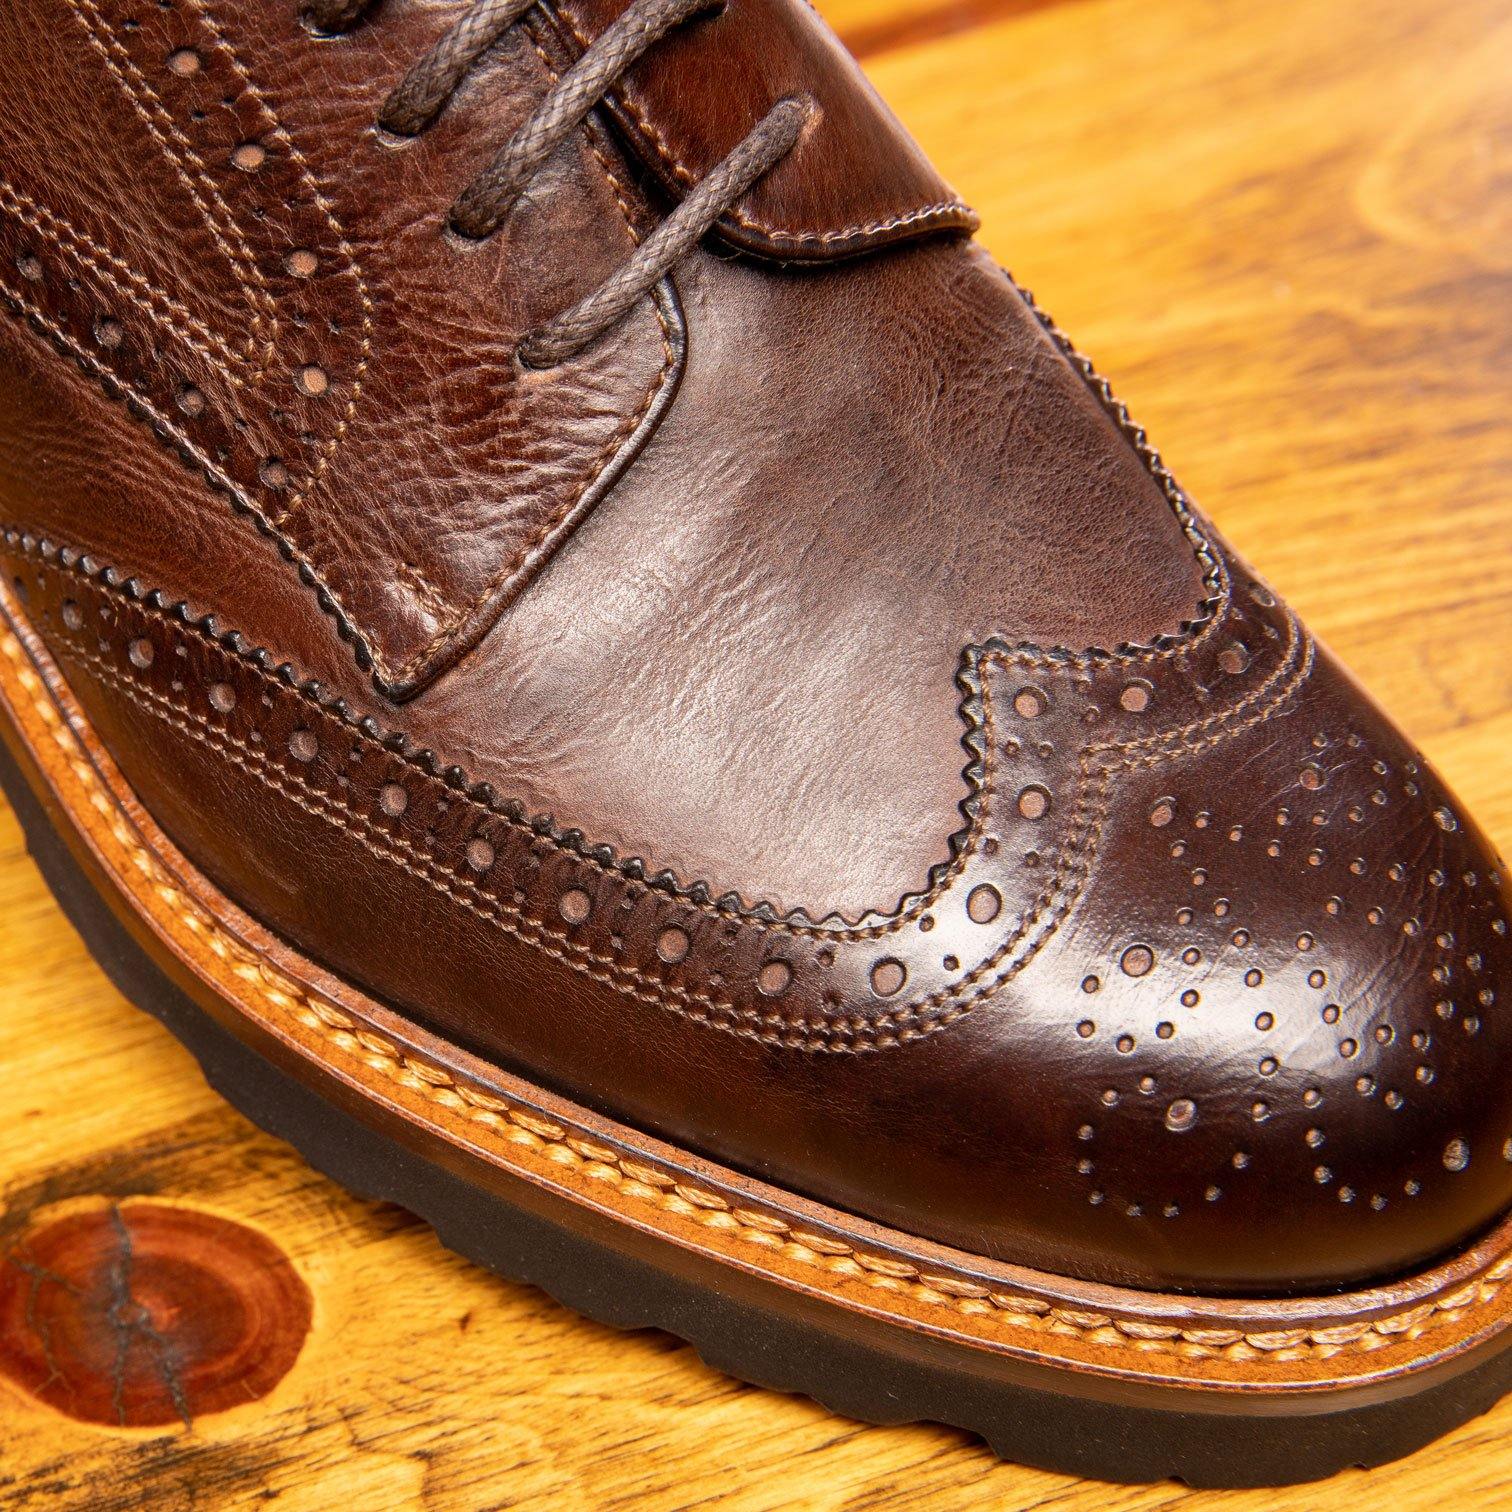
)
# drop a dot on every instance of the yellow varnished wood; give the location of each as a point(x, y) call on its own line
point(1285, 232)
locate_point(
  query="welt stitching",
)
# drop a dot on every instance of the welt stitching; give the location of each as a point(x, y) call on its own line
point(604, 459)
point(648, 129)
point(123, 278)
point(840, 1260)
point(179, 151)
point(900, 1025)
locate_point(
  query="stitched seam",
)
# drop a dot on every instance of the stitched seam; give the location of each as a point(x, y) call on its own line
point(386, 847)
point(122, 277)
point(179, 151)
point(839, 1260)
point(979, 739)
point(909, 1021)
point(602, 462)
point(1215, 574)
point(680, 171)
point(163, 128)
point(163, 428)
point(356, 381)
point(396, 747)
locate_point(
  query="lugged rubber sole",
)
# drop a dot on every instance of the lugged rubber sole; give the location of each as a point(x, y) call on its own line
point(780, 1291)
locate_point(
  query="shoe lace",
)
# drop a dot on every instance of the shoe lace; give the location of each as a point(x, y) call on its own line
point(483, 205)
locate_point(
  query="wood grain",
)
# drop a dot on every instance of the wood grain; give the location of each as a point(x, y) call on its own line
point(1285, 231)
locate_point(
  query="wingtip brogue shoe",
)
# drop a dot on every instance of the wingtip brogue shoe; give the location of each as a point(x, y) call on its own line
point(621, 684)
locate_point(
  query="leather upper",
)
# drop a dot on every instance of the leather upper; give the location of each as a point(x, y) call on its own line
point(811, 725)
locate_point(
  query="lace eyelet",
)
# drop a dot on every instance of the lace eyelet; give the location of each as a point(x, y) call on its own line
point(346, 15)
point(312, 28)
point(390, 140)
point(460, 240)
point(524, 361)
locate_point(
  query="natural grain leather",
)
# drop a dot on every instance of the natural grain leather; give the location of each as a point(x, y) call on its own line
point(1189, 979)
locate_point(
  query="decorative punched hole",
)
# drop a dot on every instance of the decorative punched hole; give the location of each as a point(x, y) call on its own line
point(1086, 1029)
point(303, 746)
point(774, 978)
point(983, 904)
point(273, 473)
point(1163, 812)
point(1456, 1155)
point(312, 381)
point(249, 156)
point(576, 905)
point(73, 616)
point(393, 799)
point(1030, 703)
point(109, 333)
point(480, 854)
point(140, 652)
point(185, 62)
point(672, 945)
point(888, 976)
point(1137, 961)
point(1034, 802)
point(222, 697)
point(1311, 778)
point(1234, 659)
point(1135, 697)
point(191, 401)
point(1091, 984)
point(301, 263)
point(29, 267)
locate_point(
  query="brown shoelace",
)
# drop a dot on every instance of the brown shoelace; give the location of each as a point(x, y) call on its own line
point(484, 204)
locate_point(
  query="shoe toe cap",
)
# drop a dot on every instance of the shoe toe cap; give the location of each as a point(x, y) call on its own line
point(1293, 1056)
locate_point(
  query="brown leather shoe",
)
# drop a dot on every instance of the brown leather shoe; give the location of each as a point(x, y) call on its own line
point(511, 516)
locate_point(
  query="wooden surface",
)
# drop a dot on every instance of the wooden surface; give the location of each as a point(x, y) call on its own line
point(1285, 232)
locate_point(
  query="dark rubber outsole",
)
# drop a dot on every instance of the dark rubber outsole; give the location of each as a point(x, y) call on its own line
point(726, 1321)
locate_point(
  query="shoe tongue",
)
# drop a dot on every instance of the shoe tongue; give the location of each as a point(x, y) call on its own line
point(856, 180)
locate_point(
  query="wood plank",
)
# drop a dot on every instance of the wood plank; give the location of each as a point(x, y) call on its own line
point(1285, 231)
